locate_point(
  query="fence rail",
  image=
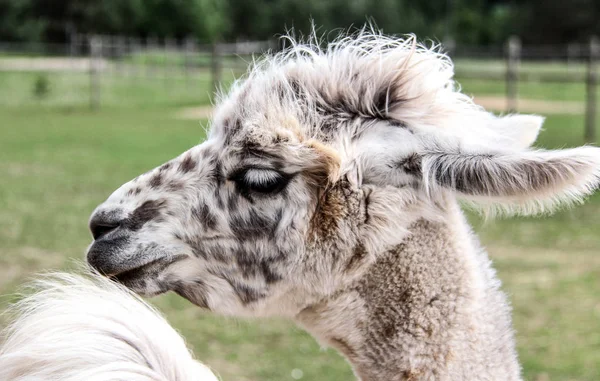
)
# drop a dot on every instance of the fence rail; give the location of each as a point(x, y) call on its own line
point(187, 61)
point(582, 67)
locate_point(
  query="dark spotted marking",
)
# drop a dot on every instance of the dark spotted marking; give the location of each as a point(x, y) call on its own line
point(359, 254)
point(399, 124)
point(411, 375)
point(156, 180)
point(188, 164)
point(203, 214)
point(278, 217)
point(410, 164)
point(367, 203)
point(174, 186)
point(389, 329)
point(219, 199)
point(277, 164)
point(278, 257)
point(281, 139)
point(247, 294)
point(206, 250)
point(217, 172)
point(269, 273)
point(386, 98)
point(206, 153)
point(251, 227)
point(432, 300)
point(252, 149)
point(343, 346)
point(199, 250)
point(232, 128)
point(134, 191)
point(247, 263)
point(251, 266)
point(328, 126)
point(232, 202)
point(195, 291)
point(217, 252)
point(165, 166)
point(143, 213)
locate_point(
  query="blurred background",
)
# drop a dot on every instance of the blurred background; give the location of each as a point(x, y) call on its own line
point(92, 93)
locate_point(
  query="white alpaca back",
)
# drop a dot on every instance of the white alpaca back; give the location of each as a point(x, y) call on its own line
point(88, 328)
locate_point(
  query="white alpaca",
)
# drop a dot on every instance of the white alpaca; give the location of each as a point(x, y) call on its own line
point(328, 192)
point(88, 328)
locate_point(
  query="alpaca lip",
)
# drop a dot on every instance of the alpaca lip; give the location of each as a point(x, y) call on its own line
point(135, 276)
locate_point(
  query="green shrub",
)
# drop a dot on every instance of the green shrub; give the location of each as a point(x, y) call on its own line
point(41, 86)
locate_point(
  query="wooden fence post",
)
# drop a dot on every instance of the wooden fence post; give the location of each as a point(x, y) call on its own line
point(190, 47)
point(215, 69)
point(572, 55)
point(513, 57)
point(150, 54)
point(592, 82)
point(73, 44)
point(166, 65)
point(135, 48)
point(120, 49)
point(95, 63)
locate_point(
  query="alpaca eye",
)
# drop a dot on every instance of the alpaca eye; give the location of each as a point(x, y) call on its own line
point(258, 180)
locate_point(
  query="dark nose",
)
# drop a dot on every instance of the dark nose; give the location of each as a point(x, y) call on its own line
point(101, 225)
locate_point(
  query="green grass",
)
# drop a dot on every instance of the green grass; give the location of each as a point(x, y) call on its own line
point(145, 83)
point(58, 160)
point(149, 90)
point(72, 90)
point(573, 92)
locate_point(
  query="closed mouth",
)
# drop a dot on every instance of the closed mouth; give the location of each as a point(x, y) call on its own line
point(138, 275)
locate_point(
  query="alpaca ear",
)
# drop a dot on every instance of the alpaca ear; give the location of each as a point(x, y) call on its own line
point(525, 182)
point(519, 131)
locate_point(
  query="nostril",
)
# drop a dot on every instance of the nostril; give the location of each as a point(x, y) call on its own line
point(100, 229)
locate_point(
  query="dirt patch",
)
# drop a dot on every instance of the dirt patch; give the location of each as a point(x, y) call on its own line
point(50, 64)
point(496, 103)
point(195, 113)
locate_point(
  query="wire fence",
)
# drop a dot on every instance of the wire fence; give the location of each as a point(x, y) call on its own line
point(574, 63)
point(96, 71)
point(112, 70)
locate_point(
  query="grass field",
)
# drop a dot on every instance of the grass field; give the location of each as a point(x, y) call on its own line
point(58, 160)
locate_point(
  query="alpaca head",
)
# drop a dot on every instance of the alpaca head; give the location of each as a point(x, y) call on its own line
point(314, 164)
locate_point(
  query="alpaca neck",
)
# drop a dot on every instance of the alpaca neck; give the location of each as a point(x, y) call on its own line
point(429, 308)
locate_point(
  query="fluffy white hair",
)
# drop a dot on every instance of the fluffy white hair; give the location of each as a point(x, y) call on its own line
point(89, 328)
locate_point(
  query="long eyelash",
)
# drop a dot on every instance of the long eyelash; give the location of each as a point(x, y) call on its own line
point(261, 176)
point(240, 173)
point(254, 177)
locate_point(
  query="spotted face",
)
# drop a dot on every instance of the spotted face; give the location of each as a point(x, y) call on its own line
point(314, 165)
point(222, 224)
